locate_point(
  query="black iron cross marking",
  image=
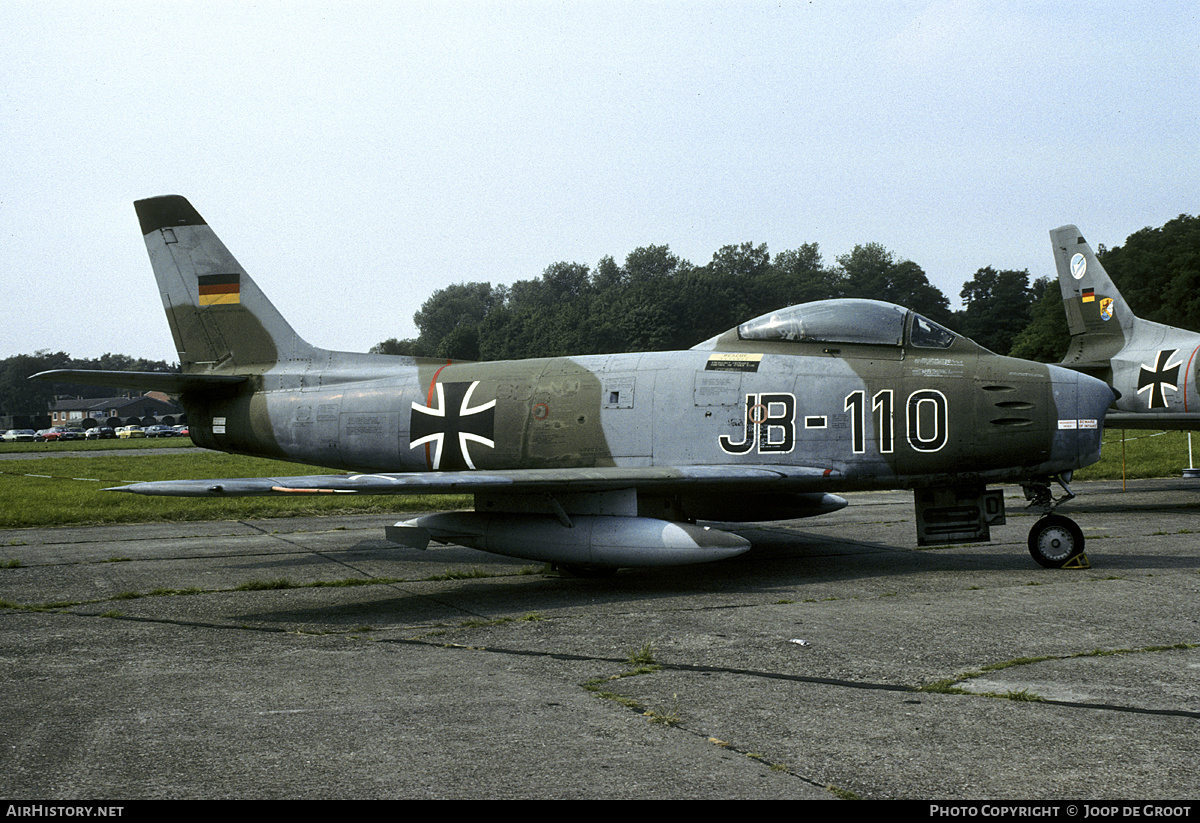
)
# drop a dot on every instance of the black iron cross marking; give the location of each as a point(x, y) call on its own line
point(451, 425)
point(1163, 375)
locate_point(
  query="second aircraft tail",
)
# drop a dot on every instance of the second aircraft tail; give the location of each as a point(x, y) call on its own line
point(1100, 322)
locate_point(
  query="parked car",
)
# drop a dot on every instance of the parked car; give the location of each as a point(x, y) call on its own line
point(19, 436)
point(160, 431)
point(100, 433)
point(127, 432)
point(54, 433)
point(182, 430)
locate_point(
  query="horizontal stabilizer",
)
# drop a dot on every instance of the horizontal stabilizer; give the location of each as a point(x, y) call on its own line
point(144, 381)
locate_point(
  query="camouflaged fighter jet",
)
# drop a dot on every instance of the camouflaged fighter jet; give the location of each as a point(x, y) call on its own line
point(1153, 368)
point(599, 462)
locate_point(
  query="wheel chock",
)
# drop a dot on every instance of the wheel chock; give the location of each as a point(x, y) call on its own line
point(1079, 561)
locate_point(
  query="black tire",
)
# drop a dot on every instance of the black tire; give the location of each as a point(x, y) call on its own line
point(1054, 540)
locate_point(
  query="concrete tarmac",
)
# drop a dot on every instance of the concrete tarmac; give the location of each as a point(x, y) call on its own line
point(202, 660)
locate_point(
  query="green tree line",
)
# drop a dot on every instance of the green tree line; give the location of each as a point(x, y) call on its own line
point(657, 301)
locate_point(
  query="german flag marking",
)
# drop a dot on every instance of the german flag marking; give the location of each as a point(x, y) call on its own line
point(219, 289)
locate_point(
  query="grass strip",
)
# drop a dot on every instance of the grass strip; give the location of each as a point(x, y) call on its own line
point(61, 491)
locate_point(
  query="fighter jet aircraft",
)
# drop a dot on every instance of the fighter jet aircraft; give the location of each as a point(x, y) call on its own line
point(600, 462)
point(1152, 367)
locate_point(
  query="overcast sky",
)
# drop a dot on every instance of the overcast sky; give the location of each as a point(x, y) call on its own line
point(358, 156)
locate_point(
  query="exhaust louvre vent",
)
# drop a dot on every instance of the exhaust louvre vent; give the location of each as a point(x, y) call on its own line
point(1011, 422)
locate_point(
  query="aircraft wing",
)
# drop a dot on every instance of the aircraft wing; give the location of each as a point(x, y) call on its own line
point(168, 382)
point(1154, 421)
point(514, 481)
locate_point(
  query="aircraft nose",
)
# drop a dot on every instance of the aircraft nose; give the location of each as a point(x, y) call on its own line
point(1081, 402)
point(1095, 396)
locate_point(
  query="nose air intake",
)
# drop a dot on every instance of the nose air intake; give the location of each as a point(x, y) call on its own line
point(1082, 402)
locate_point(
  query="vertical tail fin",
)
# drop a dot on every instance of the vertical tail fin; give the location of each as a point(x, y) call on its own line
point(219, 318)
point(1099, 320)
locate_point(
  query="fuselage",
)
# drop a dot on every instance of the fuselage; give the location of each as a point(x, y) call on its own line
point(879, 417)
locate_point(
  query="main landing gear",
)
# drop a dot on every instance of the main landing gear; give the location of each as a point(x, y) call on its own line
point(1055, 542)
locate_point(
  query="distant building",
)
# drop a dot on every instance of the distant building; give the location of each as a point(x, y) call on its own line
point(146, 410)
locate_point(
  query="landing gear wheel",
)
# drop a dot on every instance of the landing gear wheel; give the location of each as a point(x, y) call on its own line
point(1055, 540)
point(585, 570)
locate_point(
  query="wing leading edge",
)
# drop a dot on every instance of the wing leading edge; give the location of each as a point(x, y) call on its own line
point(1153, 421)
point(513, 481)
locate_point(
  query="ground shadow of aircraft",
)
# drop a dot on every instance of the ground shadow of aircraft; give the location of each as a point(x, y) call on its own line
point(604, 461)
point(1152, 367)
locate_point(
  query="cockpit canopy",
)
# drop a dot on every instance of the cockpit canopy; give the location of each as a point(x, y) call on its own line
point(868, 322)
